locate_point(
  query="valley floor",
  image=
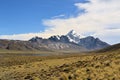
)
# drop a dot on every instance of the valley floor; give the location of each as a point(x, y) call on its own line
point(105, 66)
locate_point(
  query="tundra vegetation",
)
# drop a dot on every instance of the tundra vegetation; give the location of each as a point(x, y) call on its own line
point(103, 65)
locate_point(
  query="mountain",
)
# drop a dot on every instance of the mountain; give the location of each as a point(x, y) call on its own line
point(57, 43)
point(57, 38)
point(89, 42)
point(115, 47)
point(20, 45)
point(39, 44)
point(92, 43)
point(73, 37)
point(69, 42)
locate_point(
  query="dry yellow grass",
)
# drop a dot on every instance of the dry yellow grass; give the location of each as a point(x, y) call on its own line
point(105, 66)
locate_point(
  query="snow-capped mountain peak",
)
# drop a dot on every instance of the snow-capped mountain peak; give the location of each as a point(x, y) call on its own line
point(72, 32)
point(73, 36)
point(61, 42)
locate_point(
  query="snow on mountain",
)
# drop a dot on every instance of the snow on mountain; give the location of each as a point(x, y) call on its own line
point(89, 42)
point(73, 36)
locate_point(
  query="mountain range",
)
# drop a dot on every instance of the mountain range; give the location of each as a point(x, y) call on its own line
point(72, 41)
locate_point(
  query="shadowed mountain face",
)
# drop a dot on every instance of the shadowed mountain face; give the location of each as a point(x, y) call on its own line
point(115, 47)
point(69, 42)
point(62, 38)
point(92, 43)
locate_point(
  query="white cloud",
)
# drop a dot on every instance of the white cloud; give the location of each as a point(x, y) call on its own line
point(26, 36)
point(59, 16)
point(111, 35)
point(101, 17)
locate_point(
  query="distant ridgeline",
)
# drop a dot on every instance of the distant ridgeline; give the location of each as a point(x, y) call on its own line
point(72, 41)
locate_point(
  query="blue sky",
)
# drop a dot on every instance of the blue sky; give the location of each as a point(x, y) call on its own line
point(24, 19)
point(25, 16)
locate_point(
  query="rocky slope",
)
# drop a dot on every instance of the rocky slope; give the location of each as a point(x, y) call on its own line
point(53, 43)
point(92, 43)
point(39, 44)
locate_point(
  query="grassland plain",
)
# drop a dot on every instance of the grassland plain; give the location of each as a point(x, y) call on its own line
point(93, 66)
